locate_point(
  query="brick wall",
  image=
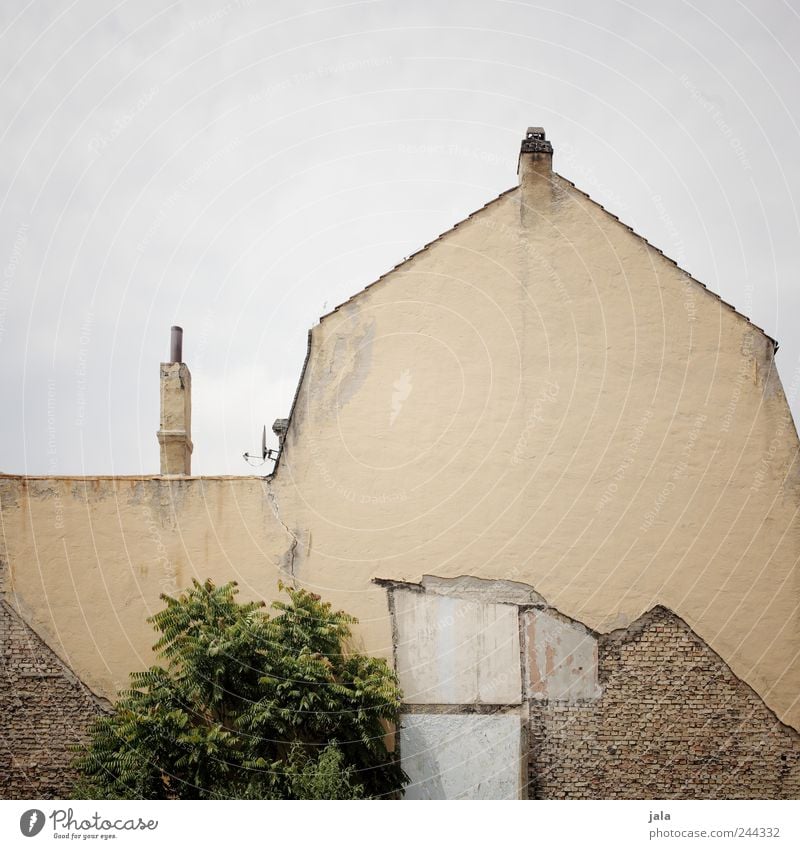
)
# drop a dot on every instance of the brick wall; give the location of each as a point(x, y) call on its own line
point(44, 709)
point(672, 722)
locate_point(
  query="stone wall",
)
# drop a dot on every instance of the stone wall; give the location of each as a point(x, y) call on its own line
point(44, 709)
point(673, 722)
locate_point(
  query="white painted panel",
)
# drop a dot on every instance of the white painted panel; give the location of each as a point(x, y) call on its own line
point(457, 756)
point(452, 651)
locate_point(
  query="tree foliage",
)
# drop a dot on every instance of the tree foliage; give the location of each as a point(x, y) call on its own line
point(248, 704)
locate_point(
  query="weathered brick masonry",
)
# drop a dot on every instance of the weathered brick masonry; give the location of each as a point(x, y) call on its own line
point(673, 721)
point(44, 709)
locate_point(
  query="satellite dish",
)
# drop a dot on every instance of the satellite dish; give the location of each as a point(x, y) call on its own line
point(266, 453)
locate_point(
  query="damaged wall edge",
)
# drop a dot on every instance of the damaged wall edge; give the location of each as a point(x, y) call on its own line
point(581, 738)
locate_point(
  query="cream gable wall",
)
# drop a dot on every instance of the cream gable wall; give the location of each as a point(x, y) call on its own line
point(582, 417)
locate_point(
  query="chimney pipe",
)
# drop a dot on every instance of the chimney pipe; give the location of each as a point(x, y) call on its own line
point(176, 344)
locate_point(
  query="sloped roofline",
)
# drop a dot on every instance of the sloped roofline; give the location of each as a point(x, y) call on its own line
point(361, 292)
point(447, 232)
point(674, 262)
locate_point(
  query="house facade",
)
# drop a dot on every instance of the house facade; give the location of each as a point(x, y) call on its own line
point(554, 477)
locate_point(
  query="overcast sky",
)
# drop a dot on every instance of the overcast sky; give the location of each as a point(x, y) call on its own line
point(241, 167)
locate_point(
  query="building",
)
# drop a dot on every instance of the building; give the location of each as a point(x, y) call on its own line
point(555, 478)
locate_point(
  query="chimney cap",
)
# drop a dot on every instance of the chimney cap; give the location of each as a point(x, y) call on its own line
point(535, 141)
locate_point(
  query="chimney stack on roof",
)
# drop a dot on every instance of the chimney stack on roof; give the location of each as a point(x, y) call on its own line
point(175, 433)
point(535, 156)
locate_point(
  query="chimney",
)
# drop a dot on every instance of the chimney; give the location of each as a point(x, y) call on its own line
point(279, 428)
point(175, 433)
point(535, 157)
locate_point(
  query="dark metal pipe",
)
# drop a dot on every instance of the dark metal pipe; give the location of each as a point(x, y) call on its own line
point(176, 344)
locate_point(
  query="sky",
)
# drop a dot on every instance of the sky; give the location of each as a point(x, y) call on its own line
point(239, 168)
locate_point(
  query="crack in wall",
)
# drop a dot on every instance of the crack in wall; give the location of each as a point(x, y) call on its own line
point(289, 559)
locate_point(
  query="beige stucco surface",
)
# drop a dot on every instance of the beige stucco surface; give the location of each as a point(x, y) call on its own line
point(538, 396)
point(84, 560)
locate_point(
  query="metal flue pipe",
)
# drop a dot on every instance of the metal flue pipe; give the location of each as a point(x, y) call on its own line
point(176, 344)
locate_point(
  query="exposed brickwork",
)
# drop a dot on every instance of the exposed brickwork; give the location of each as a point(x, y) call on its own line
point(44, 709)
point(673, 722)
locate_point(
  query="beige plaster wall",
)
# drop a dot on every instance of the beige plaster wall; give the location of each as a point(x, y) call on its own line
point(84, 560)
point(538, 396)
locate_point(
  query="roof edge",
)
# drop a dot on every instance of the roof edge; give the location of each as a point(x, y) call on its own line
point(450, 230)
point(658, 250)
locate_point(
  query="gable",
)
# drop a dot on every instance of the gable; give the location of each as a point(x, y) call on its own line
point(541, 395)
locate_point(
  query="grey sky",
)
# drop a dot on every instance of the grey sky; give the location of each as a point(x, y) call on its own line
point(239, 168)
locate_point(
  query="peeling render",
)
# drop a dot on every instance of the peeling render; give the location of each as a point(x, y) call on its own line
point(561, 658)
point(482, 589)
point(647, 711)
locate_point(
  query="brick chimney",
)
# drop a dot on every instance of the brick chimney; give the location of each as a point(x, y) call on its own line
point(175, 433)
point(535, 169)
point(535, 156)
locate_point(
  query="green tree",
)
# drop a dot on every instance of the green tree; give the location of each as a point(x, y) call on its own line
point(248, 705)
